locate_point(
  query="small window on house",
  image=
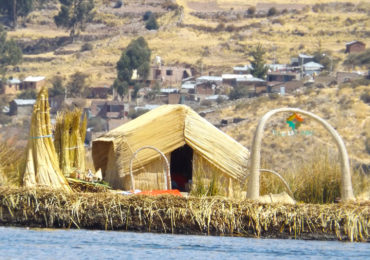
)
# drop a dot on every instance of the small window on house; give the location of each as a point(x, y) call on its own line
point(169, 72)
point(114, 108)
point(158, 73)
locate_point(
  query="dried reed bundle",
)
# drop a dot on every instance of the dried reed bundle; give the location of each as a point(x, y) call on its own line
point(42, 166)
point(192, 215)
point(70, 134)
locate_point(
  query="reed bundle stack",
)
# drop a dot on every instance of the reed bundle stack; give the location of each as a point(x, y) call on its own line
point(180, 215)
point(70, 132)
point(42, 165)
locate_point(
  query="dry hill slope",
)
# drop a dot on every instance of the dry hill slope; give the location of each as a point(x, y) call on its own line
point(217, 34)
point(343, 108)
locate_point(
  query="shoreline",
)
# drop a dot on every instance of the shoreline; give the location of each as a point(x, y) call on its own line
point(216, 216)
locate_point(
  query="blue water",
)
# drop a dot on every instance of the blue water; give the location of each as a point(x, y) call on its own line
point(21, 243)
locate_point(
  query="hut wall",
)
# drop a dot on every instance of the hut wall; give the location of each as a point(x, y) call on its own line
point(147, 177)
point(111, 176)
point(204, 172)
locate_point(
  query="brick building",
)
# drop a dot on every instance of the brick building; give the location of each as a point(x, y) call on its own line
point(355, 46)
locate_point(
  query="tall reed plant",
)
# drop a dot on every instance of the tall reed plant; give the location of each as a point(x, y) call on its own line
point(315, 180)
point(12, 160)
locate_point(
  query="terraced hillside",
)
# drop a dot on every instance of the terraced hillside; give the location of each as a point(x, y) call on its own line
point(214, 35)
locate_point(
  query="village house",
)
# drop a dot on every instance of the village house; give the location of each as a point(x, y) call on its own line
point(355, 46)
point(168, 96)
point(312, 68)
point(169, 75)
point(285, 87)
point(98, 92)
point(301, 59)
point(242, 69)
point(283, 76)
point(347, 76)
point(188, 87)
point(21, 107)
point(108, 109)
point(255, 85)
point(205, 88)
point(31, 82)
point(11, 87)
point(277, 67)
point(211, 79)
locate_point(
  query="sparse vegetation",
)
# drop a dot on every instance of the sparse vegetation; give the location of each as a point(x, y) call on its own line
point(10, 53)
point(77, 84)
point(86, 47)
point(251, 10)
point(272, 11)
point(358, 59)
point(135, 57)
point(74, 15)
point(258, 63)
point(151, 24)
point(27, 94)
point(317, 180)
point(14, 9)
point(58, 87)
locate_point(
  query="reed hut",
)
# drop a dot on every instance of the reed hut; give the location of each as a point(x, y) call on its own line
point(198, 152)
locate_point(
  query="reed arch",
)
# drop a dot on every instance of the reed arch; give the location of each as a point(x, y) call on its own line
point(167, 176)
point(253, 191)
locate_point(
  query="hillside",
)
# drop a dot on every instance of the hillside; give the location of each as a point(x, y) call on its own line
point(214, 35)
point(342, 107)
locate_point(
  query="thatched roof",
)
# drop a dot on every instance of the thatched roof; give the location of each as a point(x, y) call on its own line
point(167, 128)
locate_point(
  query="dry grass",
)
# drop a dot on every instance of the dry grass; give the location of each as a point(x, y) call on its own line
point(170, 214)
point(12, 161)
point(350, 120)
point(317, 180)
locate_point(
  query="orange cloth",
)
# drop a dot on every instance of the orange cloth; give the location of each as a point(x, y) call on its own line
point(160, 192)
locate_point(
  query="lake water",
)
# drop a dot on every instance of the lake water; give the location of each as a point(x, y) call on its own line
point(21, 243)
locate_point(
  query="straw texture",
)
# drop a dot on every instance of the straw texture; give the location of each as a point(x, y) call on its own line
point(166, 128)
point(70, 134)
point(42, 167)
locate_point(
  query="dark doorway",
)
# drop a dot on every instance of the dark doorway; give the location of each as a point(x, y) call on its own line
point(181, 167)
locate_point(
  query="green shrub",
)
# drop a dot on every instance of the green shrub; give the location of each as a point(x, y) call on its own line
point(136, 113)
point(4, 119)
point(147, 15)
point(118, 4)
point(151, 24)
point(97, 123)
point(170, 5)
point(27, 94)
point(220, 27)
point(251, 10)
point(274, 96)
point(367, 145)
point(272, 11)
point(366, 97)
point(238, 92)
point(86, 47)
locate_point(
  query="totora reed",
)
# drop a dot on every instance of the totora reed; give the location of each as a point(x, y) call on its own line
point(178, 215)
